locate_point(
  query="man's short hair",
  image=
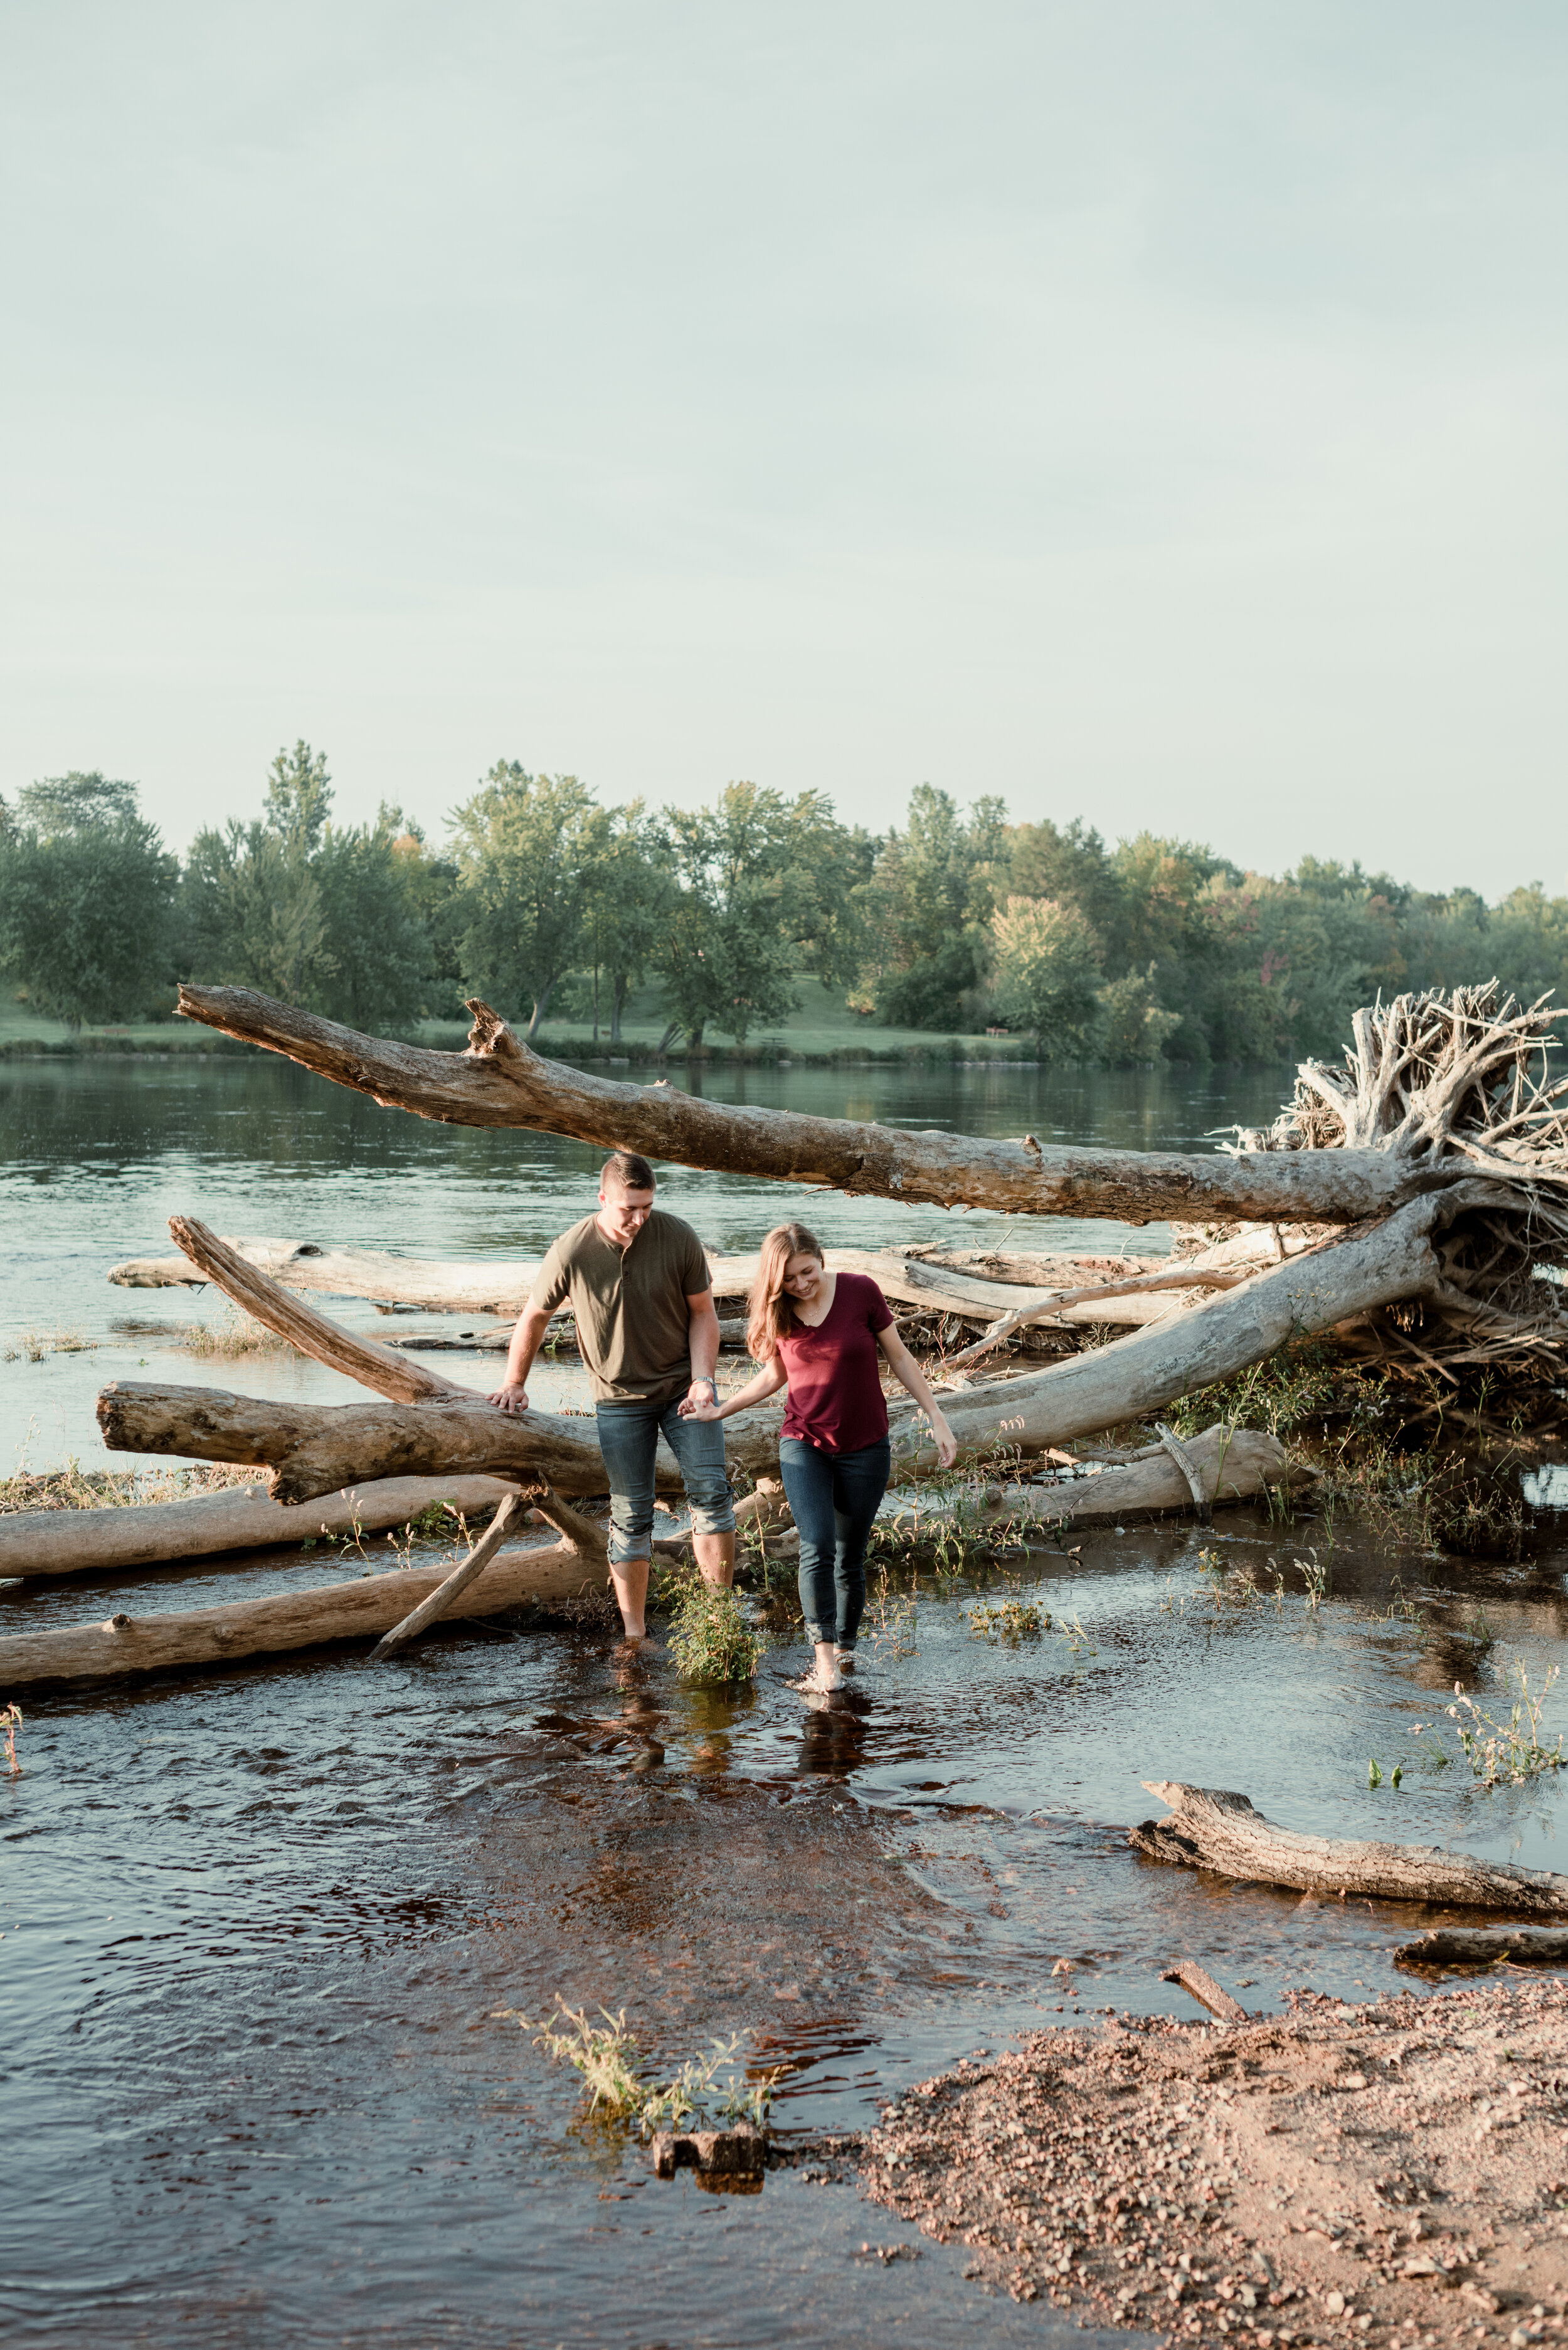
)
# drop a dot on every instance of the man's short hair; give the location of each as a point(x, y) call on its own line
point(629, 1171)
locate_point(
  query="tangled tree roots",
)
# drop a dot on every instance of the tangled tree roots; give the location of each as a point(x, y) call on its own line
point(1440, 1082)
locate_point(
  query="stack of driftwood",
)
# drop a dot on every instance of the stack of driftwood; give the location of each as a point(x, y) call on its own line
point(1413, 1202)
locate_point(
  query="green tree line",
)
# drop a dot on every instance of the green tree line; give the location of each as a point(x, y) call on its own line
point(551, 905)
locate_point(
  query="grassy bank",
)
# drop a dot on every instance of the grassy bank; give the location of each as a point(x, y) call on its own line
point(823, 1031)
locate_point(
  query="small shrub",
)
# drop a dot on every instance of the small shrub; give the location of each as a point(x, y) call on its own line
point(707, 2089)
point(710, 1637)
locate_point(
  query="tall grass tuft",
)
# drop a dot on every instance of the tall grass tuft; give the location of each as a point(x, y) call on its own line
point(711, 1639)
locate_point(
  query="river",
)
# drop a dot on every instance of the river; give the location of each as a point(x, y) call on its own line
point(265, 1934)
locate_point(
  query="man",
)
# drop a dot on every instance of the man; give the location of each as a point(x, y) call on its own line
point(643, 1298)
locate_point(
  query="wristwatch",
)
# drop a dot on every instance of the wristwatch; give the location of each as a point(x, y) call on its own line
point(711, 1386)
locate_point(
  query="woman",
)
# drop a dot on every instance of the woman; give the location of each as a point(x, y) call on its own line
point(819, 1333)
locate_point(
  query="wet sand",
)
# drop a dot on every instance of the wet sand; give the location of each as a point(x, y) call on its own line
point(1338, 2174)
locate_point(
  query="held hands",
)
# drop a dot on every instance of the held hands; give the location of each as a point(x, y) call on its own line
point(514, 1399)
point(701, 1400)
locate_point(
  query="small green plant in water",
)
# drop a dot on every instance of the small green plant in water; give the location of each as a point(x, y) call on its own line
point(1374, 1774)
point(710, 1637)
point(1079, 1642)
point(707, 2089)
point(1009, 1619)
point(1508, 1753)
point(10, 1723)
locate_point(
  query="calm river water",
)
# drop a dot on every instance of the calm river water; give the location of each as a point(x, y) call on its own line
point(256, 1925)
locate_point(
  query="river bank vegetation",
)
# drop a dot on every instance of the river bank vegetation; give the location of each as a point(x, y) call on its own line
point(760, 918)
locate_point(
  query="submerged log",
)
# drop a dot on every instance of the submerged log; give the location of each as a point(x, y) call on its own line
point(1486, 1946)
point(500, 1082)
point(156, 1534)
point(367, 1606)
point(1208, 1828)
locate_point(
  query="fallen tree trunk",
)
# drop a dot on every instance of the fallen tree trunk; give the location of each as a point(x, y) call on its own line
point(1109, 1387)
point(1486, 1946)
point(500, 1082)
point(156, 1534)
point(316, 1449)
point(1133, 1300)
point(1231, 1464)
point(1209, 1828)
point(367, 1606)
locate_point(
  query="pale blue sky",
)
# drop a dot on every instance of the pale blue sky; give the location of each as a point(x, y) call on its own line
point(1148, 410)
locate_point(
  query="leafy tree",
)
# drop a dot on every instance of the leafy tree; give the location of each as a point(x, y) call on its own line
point(325, 918)
point(1047, 966)
point(764, 884)
point(929, 909)
point(631, 898)
point(86, 893)
point(528, 848)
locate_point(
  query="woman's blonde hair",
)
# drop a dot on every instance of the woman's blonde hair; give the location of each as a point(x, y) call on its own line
point(771, 1313)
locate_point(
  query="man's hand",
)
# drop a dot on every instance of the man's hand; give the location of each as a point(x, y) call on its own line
point(701, 1400)
point(510, 1400)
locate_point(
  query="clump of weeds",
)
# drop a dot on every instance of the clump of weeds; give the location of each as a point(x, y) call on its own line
point(32, 1345)
point(1008, 1621)
point(711, 1639)
point(894, 1617)
point(708, 2089)
point(1510, 1751)
point(233, 1334)
point(10, 1723)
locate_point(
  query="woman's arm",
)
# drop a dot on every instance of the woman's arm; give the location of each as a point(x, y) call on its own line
point(904, 1367)
point(768, 1381)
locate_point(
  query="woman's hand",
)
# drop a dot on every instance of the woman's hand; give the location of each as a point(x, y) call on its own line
point(705, 1407)
point(945, 1440)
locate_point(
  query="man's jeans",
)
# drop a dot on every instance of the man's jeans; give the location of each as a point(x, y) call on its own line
point(629, 1439)
point(833, 1498)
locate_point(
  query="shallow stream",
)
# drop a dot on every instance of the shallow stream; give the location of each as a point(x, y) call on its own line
point(256, 1926)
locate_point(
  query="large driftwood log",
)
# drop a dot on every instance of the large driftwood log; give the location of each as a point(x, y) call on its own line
point(1070, 1298)
point(1209, 1828)
point(156, 1534)
point(365, 1607)
point(1486, 1946)
point(1231, 1464)
point(500, 1082)
point(316, 1449)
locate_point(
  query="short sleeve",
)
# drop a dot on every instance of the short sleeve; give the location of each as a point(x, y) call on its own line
point(877, 1311)
point(695, 1276)
point(552, 1280)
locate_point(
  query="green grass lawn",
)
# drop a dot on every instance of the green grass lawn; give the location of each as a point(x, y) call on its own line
point(823, 1028)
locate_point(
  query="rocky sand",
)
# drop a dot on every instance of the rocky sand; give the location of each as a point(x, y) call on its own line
point(1398, 2171)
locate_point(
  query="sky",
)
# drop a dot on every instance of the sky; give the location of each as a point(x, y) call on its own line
point(1151, 411)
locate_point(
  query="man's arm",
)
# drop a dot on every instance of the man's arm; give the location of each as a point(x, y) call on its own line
point(527, 1341)
point(704, 1345)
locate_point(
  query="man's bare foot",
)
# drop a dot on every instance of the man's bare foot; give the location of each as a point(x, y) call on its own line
point(828, 1675)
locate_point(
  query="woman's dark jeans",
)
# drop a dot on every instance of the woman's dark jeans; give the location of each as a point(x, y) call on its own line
point(833, 1498)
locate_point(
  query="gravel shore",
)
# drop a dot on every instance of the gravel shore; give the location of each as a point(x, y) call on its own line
point(1336, 2174)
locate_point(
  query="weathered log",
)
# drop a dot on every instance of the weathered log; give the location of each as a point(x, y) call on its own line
point(1205, 1990)
point(1110, 1387)
point(156, 1534)
point(1485, 1946)
point(463, 1286)
point(316, 1449)
point(446, 1595)
point(274, 1626)
point(907, 1280)
point(1208, 1828)
point(1228, 1464)
point(563, 1333)
point(500, 1082)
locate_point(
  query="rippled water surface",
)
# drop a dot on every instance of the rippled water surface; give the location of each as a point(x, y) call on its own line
point(257, 1926)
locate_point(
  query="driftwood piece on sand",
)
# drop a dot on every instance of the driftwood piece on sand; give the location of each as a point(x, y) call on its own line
point(1486, 1946)
point(570, 1569)
point(1204, 1989)
point(501, 1082)
point(156, 1534)
point(1208, 1828)
point(446, 1595)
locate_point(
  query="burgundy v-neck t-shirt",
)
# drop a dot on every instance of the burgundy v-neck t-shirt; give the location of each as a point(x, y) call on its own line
point(835, 1400)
